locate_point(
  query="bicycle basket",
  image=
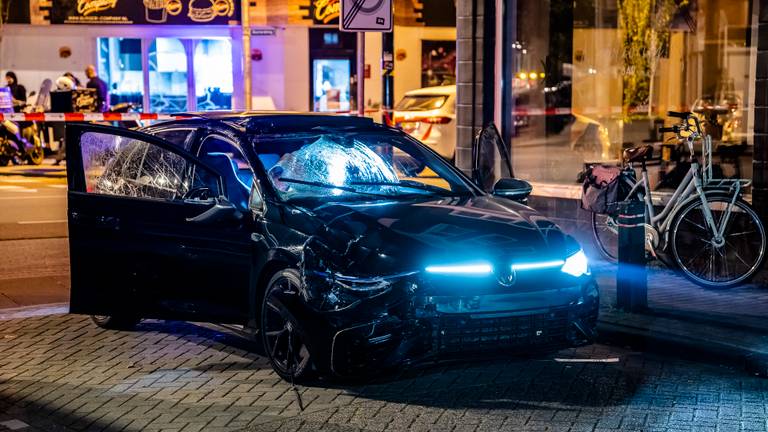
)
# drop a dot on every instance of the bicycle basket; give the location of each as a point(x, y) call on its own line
point(603, 189)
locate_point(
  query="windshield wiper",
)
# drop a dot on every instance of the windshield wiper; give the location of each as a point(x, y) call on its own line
point(410, 185)
point(331, 186)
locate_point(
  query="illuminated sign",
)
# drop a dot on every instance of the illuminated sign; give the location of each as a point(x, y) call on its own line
point(87, 7)
point(223, 12)
point(325, 11)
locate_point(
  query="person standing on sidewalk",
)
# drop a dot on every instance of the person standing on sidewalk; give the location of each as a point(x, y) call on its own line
point(18, 91)
point(94, 82)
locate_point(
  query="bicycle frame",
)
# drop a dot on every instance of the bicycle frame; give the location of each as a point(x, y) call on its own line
point(691, 185)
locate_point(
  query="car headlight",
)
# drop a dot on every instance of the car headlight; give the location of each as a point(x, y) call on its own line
point(576, 265)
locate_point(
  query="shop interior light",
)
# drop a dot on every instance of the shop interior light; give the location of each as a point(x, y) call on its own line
point(533, 75)
point(522, 75)
point(470, 269)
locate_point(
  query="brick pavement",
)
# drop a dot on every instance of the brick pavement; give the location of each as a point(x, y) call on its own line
point(60, 372)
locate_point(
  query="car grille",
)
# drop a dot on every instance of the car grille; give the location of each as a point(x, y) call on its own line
point(465, 333)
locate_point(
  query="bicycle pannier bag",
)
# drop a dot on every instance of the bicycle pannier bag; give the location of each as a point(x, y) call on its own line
point(602, 189)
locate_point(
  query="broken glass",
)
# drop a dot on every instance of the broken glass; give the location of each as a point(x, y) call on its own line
point(115, 165)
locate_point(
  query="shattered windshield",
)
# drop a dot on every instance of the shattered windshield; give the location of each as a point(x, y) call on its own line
point(355, 165)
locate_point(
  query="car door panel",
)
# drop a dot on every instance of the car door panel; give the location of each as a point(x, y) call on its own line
point(133, 248)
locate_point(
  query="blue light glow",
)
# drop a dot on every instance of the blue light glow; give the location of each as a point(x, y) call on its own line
point(537, 265)
point(473, 269)
point(576, 265)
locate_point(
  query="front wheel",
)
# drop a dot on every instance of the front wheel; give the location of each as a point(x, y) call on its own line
point(282, 334)
point(36, 154)
point(718, 262)
point(605, 229)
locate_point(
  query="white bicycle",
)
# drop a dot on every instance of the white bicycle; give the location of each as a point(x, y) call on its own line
point(715, 237)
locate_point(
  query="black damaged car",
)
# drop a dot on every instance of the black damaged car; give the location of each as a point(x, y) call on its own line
point(343, 244)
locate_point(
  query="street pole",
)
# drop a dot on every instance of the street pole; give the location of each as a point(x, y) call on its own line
point(361, 74)
point(387, 77)
point(246, 21)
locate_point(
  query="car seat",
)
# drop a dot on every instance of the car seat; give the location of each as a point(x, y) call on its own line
point(237, 189)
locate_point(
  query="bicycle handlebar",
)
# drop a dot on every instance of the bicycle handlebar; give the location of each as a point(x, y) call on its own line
point(680, 115)
point(673, 129)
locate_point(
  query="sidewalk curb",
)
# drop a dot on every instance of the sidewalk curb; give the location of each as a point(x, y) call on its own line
point(753, 362)
point(34, 311)
point(29, 174)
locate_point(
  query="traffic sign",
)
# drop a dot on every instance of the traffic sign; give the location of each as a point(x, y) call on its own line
point(366, 16)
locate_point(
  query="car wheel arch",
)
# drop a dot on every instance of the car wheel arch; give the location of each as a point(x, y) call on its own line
point(270, 268)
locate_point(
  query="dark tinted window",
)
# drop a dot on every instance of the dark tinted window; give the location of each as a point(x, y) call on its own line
point(174, 136)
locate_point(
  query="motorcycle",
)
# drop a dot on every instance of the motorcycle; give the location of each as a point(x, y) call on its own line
point(20, 142)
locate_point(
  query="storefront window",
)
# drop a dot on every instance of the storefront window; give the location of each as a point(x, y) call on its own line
point(168, 75)
point(213, 74)
point(585, 80)
point(331, 84)
point(120, 67)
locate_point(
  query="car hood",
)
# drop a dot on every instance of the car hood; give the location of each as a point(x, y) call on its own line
point(398, 236)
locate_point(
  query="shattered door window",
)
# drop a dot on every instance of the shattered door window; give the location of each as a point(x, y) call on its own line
point(116, 165)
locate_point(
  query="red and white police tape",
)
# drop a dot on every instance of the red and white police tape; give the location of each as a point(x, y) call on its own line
point(107, 116)
point(87, 117)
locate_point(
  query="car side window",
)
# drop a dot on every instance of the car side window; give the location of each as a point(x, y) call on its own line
point(215, 147)
point(174, 136)
point(116, 165)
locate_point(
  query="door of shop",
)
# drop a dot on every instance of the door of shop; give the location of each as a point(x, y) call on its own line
point(332, 69)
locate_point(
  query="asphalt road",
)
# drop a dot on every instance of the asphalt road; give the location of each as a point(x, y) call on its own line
point(33, 243)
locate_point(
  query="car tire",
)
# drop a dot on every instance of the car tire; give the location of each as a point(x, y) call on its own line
point(280, 329)
point(113, 322)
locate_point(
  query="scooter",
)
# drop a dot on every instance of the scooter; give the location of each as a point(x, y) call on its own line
point(20, 145)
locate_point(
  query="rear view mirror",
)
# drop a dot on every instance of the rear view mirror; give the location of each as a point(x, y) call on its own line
point(514, 189)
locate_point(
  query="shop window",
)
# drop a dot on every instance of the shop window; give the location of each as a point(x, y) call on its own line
point(331, 78)
point(120, 67)
point(213, 74)
point(579, 88)
point(167, 76)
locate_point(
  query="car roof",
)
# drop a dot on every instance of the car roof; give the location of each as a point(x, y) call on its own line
point(273, 121)
point(439, 90)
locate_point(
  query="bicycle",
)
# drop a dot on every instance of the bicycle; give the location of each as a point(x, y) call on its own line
point(715, 236)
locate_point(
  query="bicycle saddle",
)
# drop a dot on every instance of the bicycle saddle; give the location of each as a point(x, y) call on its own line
point(638, 154)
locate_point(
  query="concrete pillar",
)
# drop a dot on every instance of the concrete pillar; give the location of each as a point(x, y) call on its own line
point(469, 78)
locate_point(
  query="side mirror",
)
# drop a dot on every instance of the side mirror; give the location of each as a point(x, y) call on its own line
point(222, 211)
point(514, 189)
point(256, 200)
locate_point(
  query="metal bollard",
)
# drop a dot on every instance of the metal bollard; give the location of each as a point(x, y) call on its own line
point(632, 278)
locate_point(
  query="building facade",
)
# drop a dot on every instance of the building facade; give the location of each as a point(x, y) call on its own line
point(575, 83)
point(169, 55)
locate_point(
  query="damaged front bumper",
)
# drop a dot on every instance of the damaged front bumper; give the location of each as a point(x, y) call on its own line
point(406, 326)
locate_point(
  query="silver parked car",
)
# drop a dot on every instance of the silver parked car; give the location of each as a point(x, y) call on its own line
point(429, 115)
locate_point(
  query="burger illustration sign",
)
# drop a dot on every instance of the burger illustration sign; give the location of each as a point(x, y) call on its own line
point(223, 12)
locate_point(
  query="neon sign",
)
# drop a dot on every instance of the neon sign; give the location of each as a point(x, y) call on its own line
point(87, 7)
point(326, 11)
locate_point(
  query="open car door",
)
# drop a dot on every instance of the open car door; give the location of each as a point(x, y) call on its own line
point(140, 211)
point(492, 167)
point(490, 158)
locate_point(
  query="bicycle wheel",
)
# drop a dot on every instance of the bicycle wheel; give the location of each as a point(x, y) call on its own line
point(718, 264)
point(605, 229)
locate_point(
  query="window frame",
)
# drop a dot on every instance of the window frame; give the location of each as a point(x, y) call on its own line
point(77, 174)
